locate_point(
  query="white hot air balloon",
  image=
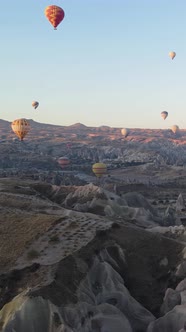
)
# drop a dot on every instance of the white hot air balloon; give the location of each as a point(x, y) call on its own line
point(35, 104)
point(172, 54)
point(164, 115)
point(124, 132)
point(175, 129)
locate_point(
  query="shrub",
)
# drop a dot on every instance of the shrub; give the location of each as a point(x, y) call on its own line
point(33, 254)
point(54, 238)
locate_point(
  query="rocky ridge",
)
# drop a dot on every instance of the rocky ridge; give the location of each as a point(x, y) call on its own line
point(82, 271)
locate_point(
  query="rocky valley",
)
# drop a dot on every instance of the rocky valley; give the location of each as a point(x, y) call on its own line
point(87, 254)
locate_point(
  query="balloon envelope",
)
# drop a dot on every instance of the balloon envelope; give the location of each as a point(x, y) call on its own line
point(55, 15)
point(35, 104)
point(125, 132)
point(164, 115)
point(20, 127)
point(99, 169)
point(63, 162)
point(172, 55)
point(175, 129)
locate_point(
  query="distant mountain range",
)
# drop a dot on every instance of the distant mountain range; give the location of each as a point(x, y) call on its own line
point(80, 126)
point(95, 134)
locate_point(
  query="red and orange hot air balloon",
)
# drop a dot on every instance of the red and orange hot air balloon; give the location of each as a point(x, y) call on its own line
point(63, 162)
point(55, 15)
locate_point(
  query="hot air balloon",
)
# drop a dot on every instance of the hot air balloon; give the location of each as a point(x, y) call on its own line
point(172, 55)
point(68, 145)
point(125, 132)
point(35, 104)
point(55, 15)
point(20, 127)
point(99, 169)
point(164, 115)
point(63, 162)
point(175, 129)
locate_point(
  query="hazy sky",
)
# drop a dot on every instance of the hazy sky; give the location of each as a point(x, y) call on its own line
point(107, 63)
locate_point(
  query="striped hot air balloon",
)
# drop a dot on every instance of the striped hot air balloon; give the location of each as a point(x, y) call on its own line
point(55, 15)
point(20, 127)
point(99, 169)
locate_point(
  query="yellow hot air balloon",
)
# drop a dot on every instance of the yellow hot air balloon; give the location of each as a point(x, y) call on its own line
point(99, 169)
point(125, 132)
point(164, 115)
point(20, 127)
point(35, 104)
point(172, 54)
point(175, 129)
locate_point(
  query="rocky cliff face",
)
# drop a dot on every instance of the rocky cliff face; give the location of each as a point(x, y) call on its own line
point(65, 270)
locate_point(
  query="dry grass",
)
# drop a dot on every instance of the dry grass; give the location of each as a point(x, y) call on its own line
point(19, 201)
point(23, 218)
point(18, 230)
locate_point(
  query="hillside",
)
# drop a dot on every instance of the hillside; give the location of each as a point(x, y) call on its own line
point(80, 253)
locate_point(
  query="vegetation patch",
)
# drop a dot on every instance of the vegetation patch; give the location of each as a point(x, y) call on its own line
point(33, 254)
point(54, 238)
